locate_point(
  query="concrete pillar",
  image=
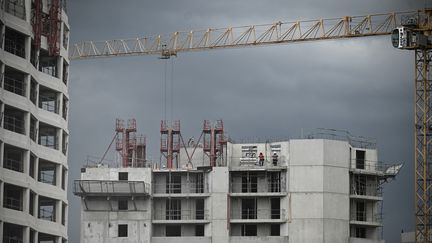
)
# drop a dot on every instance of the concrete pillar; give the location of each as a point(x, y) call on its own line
point(1, 229)
point(26, 201)
point(27, 48)
point(58, 211)
point(60, 65)
point(219, 205)
point(26, 234)
point(36, 168)
point(1, 150)
point(28, 12)
point(26, 162)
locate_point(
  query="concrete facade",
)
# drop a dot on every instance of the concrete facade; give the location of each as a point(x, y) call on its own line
point(318, 190)
point(33, 129)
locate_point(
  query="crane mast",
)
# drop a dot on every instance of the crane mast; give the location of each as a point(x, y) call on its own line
point(411, 30)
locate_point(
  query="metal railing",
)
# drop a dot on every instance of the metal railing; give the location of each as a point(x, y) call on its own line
point(16, 8)
point(96, 187)
point(186, 214)
point(366, 190)
point(47, 178)
point(341, 135)
point(13, 164)
point(368, 165)
point(14, 85)
point(13, 203)
point(14, 46)
point(48, 141)
point(363, 216)
point(46, 214)
point(269, 187)
point(177, 188)
point(254, 161)
point(14, 124)
point(48, 103)
point(258, 214)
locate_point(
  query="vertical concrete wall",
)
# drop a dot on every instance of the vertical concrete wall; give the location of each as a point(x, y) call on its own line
point(218, 205)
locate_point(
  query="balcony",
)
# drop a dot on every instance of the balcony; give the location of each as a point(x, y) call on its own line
point(179, 189)
point(256, 189)
point(365, 219)
point(111, 188)
point(366, 192)
point(181, 216)
point(258, 216)
point(374, 168)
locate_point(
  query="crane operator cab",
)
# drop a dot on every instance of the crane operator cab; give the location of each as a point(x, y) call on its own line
point(406, 38)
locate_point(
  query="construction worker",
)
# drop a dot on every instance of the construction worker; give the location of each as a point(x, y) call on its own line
point(275, 158)
point(261, 159)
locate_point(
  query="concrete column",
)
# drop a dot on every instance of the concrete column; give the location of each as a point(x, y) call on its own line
point(36, 236)
point(1, 152)
point(26, 234)
point(36, 168)
point(26, 201)
point(28, 14)
point(36, 206)
point(60, 65)
point(26, 162)
point(1, 229)
point(219, 205)
point(58, 211)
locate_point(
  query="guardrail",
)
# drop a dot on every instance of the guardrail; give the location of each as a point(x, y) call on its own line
point(366, 190)
point(177, 188)
point(269, 187)
point(98, 187)
point(200, 214)
point(258, 214)
point(363, 216)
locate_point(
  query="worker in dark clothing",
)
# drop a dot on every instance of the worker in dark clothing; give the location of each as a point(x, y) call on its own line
point(261, 159)
point(275, 158)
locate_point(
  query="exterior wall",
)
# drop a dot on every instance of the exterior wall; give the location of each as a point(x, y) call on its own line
point(314, 195)
point(58, 156)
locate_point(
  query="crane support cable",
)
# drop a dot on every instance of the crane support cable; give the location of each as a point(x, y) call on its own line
point(242, 36)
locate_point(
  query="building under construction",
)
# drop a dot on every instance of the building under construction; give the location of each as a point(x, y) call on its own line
point(322, 188)
point(34, 66)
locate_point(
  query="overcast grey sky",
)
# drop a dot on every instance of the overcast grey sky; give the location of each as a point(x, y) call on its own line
point(361, 85)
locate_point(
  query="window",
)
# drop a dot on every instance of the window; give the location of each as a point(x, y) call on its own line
point(123, 176)
point(14, 42)
point(32, 165)
point(248, 230)
point(122, 204)
point(13, 158)
point(275, 208)
point(199, 230)
point(47, 172)
point(33, 128)
point(360, 211)
point(32, 202)
point(199, 203)
point(122, 230)
point(47, 208)
point(14, 81)
point(48, 136)
point(33, 91)
point(12, 233)
point(249, 182)
point(13, 197)
point(48, 64)
point(48, 99)
point(275, 230)
point(64, 173)
point(16, 8)
point(360, 159)
point(64, 143)
point(14, 120)
point(173, 209)
point(173, 183)
point(360, 232)
point(63, 219)
point(173, 230)
point(249, 208)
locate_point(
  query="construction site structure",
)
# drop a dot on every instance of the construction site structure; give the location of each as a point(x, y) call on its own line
point(132, 148)
point(170, 143)
point(317, 189)
point(34, 135)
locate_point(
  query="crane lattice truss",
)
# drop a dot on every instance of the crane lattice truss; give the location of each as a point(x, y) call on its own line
point(300, 31)
point(243, 36)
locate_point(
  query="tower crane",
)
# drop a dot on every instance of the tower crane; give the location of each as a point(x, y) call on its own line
point(411, 30)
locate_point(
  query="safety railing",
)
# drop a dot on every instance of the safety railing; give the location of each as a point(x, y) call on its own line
point(363, 216)
point(46, 214)
point(123, 188)
point(253, 161)
point(15, 47)
point(48, 103)
point(16, 8)
point(13, 124)
point(276, 214)
point(269, 187)
point(13, 203)
point(186, 214)
point(13, 164)
point(47, 177)
point(48, 141)
point(368, 165)
point(14, 85)
point(12, 239)
point(178, 188)
point(366, 190)
point(341, 135)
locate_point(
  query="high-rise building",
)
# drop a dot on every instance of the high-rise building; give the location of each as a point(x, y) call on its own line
point(317, 189)
point(34, 65)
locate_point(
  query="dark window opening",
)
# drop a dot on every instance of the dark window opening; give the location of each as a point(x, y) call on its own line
point(65, 108)
point(122, 230)
point(13, 233)
point(123, 204)
point(48, 99)
point(14, 42)
point(199, 214)
point(13, 158)
point(33, 91)
point(48, 64)
point(360, 232)
point(16, 8)
point(65, 74)
point(47, 208)
point(14, 120)
point(46, 238)
point(173, 230)
point(123, 176)
point(199, 230)
point(63, 219)
point(360, 159)
point(173, 209)
point(249, 208)
point(14, 81)
point(32, 202)
point(275, 208)
point(33, 128)
point(248, 230)
point(13, 197)
point(48, 136)
point(360, 211)
point(33, 54)
point(64, 143)
point(274, 230)
point(32, 165)
point(249, 182)
point(173, 183)
point(47, 172)
point(199, 180)
point(274, 182)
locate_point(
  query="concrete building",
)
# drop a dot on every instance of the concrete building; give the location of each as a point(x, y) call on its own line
point(303, 191)
point(34, 99)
